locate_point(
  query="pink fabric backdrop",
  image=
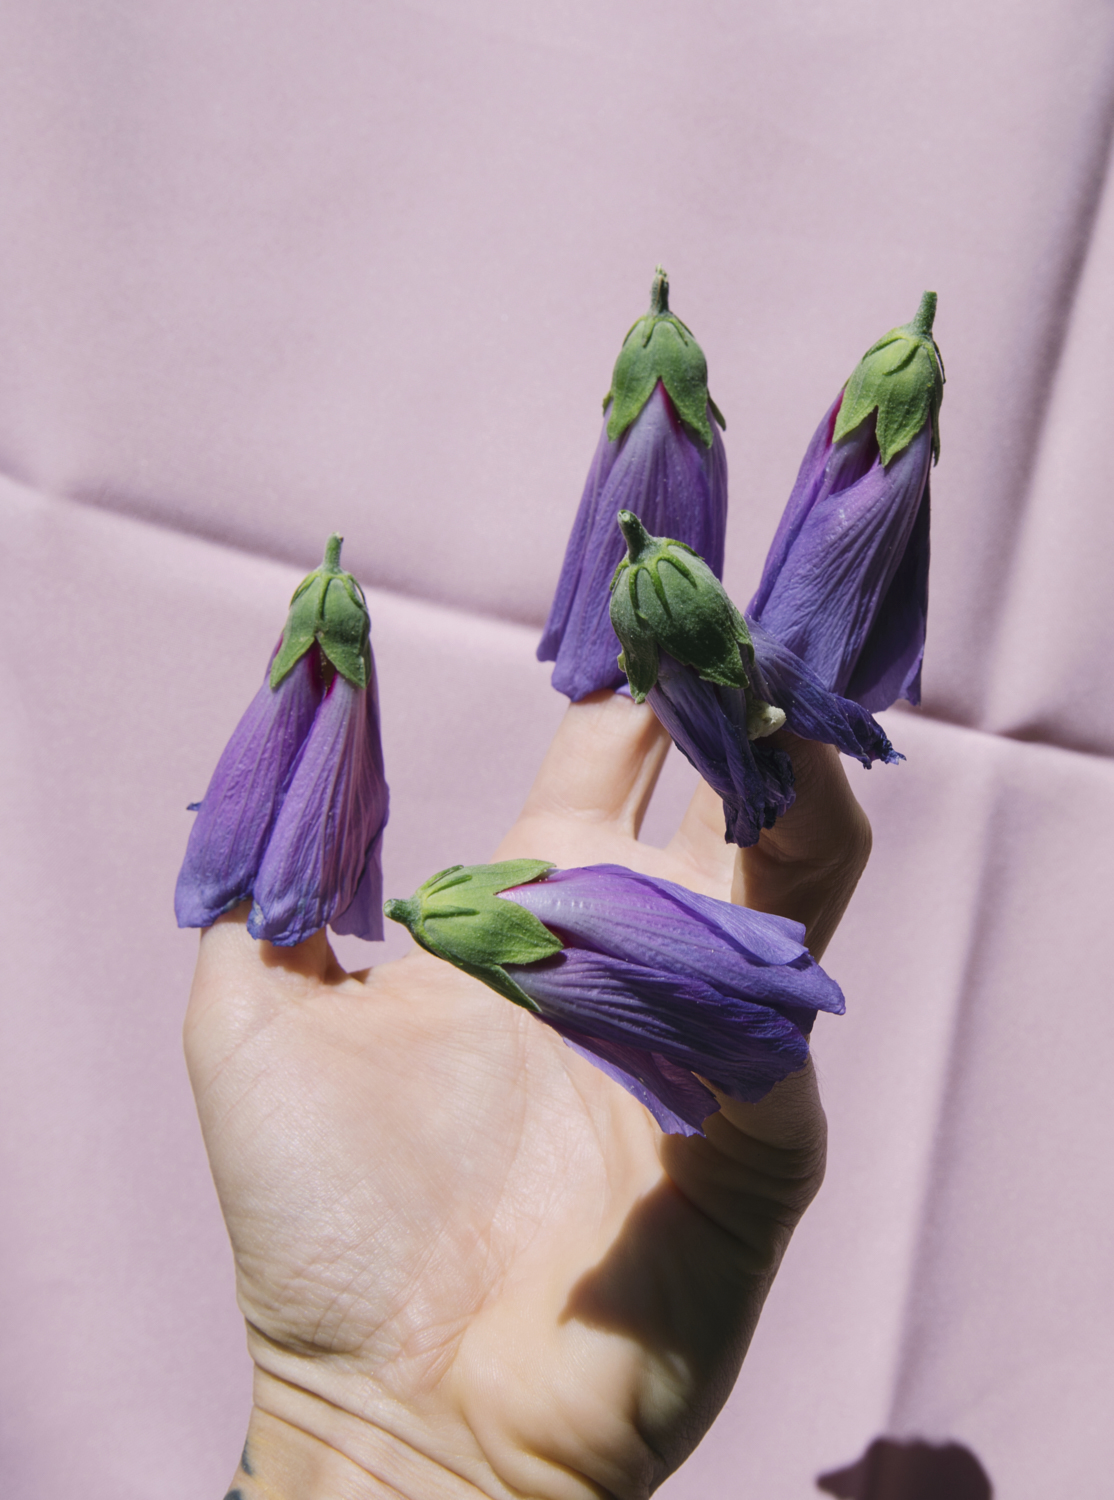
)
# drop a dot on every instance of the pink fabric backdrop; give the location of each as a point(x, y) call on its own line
point(269, 270)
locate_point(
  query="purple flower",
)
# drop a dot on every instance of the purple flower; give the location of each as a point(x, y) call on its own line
point(660, 455)
point(845, 586)
point(294, 813)
point(655, 984)
point(811, 710)
point(322, 860)
point(708, 724)
point(720, 689)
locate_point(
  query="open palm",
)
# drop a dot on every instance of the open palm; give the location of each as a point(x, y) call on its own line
point(470, 1263)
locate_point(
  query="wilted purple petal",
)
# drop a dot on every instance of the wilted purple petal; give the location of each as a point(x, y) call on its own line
point(811, 711)
point(334, 809)
point(857, 452)
point(846, 579)
point(642, 919)
point(678, 488)
point(245, 793)
point(603, 461)
point(678, 1101)
point(743, 1048)
point(889, 665)
point(708, 725)
point(364, 916)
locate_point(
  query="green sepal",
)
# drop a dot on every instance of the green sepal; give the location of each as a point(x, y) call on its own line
point(902, 378)
point(664, 597)
point(328, 607)
point(457, 916)
point(660, 347)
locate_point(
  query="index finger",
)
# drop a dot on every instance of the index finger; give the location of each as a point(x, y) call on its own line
point(602, 765)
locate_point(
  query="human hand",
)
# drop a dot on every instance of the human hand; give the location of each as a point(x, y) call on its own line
point(469, 1262)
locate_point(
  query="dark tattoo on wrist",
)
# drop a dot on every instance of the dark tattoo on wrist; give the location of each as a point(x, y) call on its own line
point(245, 1462)
point(234, 1495)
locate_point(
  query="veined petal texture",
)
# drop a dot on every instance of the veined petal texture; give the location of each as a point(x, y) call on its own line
point(811, 711)
point(742, 1048)
point(708, 724)
point(677, 487)
point(845, 585)
point(641, 919)
point(234, 820)
point(334, 809)
point(678, 1101)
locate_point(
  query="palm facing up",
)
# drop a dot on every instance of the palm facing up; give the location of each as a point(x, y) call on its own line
point(471, 1263)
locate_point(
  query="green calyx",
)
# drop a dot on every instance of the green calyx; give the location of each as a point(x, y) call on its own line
point(664, 597)
point(457, 915)
point(902, 378)
point(660, 347)
point(328, 608)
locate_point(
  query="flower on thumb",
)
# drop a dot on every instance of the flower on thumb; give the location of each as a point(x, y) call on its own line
point(653, 983)
point(294, 814)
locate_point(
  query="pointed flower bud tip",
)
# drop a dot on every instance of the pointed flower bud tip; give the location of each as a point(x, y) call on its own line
point(659, 293)
point(331, 564)
point(637, 538)
point(402, 911)
point(659, 347)
point(664, 597)
point(329, 609)
point(926, 316)
point(901, 378)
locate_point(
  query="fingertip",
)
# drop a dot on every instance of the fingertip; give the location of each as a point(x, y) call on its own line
point(233, 967)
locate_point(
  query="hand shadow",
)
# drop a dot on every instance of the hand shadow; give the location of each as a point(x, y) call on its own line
point(684, 1289)
point(913, 1470)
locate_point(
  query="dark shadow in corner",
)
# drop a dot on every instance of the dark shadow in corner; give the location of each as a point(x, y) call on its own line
point(914, 1470)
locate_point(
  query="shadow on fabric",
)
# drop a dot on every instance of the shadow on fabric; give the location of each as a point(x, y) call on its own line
point(916, 1470)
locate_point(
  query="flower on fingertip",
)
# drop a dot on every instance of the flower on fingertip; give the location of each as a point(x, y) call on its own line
point(658, 986)
point(294, 814)
point(845, 584)
point(721, 686)
point(660, 455)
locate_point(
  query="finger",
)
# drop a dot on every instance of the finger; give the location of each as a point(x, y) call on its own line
point(700, 844)
point(602, 765)
point(807, 866)
point(239, 982)
point(757, 1166)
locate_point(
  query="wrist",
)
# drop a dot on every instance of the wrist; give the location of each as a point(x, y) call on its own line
point(313, 1451)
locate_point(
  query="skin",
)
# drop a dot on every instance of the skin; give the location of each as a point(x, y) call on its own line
point(470, 1263)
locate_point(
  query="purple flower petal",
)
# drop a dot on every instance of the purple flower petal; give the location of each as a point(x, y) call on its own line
point(235, 818)
point(335, 807)
point(678, 1101)
point(659, 986)
point(603, 461)
point(811, 711)
point(678, 488)
point(708, 725)
point(743, 1048)
point(845, 585)
point(640, 919)
point(363, 918)
point(889, 665)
